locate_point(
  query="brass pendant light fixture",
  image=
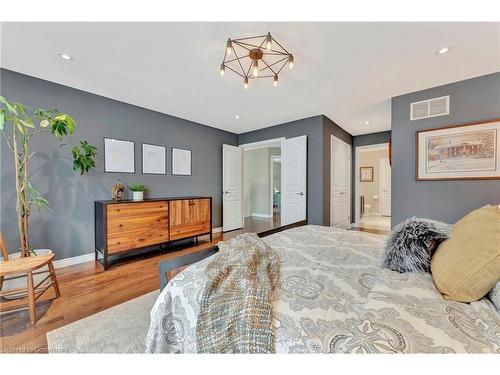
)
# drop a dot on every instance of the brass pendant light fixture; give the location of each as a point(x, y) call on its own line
point(256, 57)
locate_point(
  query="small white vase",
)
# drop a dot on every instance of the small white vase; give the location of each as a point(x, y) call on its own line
point(138, 195)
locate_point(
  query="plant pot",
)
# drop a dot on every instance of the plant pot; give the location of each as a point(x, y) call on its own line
point(22, 281)
point(138, 195)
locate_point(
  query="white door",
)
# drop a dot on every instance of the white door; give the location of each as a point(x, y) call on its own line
point(340, 175)
point(385, 187)
point(232, 201)
point(293, 180)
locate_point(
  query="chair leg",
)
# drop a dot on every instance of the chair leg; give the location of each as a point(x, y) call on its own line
point(54, 279)
point(31, 298)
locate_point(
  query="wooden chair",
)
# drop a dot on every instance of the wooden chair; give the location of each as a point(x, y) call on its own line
point(26, 266)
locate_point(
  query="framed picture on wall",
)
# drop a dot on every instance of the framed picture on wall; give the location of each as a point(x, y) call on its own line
point(460, 152)
point(365, 174)
point(154, 159)
point(181, 161)
point(119, 156)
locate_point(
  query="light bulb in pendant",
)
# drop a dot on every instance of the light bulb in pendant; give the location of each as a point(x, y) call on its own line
point(255, 68)
point(269, 41)
point(222, 70)
point(245, 83)
point(275, 83)
point(229, 47)
point(290, 61)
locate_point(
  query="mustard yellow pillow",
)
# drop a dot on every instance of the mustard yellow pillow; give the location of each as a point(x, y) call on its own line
point(466, 266)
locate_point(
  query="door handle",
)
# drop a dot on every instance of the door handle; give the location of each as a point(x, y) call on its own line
point(301, 193)
point(227, 192)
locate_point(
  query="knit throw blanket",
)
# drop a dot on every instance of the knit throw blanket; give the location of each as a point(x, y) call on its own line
point(236, 310)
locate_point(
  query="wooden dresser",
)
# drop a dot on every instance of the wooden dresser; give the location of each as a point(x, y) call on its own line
point(126, 226)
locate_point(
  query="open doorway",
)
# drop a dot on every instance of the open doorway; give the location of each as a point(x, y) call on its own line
point(373, 187)
point(262, 186)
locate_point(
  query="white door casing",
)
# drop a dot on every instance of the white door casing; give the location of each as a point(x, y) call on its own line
point(294, 180)
point(385, 187)
point(232, 201)
point(340, 183)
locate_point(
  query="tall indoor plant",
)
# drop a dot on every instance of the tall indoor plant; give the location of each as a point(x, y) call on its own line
point(18, 125)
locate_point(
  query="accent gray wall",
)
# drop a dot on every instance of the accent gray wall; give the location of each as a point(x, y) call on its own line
point(364, 140)
point(471, 100)
point(69, 229)
point(318, 130)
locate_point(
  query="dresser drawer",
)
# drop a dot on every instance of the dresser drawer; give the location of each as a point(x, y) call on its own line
point(136, 239)
point(141, 209)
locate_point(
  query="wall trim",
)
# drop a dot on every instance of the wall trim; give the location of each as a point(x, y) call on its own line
point(267, 216)
point(65, 262)
point(60, 263)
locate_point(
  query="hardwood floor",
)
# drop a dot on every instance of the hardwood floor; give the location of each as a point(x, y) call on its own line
point(87, 289)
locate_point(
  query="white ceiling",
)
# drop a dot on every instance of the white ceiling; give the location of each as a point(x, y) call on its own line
point(347, 71)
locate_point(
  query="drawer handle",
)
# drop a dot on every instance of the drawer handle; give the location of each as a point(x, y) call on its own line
point(117, 210)
point(141, 239)
point(120, 225)
point(118, 243)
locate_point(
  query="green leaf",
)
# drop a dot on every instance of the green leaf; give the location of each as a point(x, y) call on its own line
point(8, 105)
point(26, 123)
point(2, 119)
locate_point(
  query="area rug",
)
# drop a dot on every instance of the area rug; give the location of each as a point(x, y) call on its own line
point(119, 329)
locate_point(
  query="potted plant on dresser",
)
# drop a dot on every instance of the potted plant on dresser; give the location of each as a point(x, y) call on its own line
point(138, 191)
point(19, 125)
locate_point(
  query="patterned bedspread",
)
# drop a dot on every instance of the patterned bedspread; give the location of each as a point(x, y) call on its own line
point(334, 297)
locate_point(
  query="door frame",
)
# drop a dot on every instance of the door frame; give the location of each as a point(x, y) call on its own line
point(274, 159)
point(332, 137)
point(358, 150)
point(274, 142)
point(380, 185)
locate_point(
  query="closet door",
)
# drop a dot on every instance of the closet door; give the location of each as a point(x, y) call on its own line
point(340, 164)
point(232, 200)
point(294, 179)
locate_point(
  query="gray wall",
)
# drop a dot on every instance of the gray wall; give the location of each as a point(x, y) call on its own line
point(364, 140)
point(69, 228)
point(313, 128)
point(471, 100)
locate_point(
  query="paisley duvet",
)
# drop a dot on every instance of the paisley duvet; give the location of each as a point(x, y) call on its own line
point(334, 297)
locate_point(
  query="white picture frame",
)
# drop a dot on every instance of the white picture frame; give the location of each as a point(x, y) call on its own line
point(154, 159)
point(459, 152)
point(181, 162)
point(119, 155)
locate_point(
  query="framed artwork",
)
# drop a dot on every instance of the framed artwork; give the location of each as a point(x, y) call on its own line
point(461, 152)
point(366, 174)
point(181, 162)
point(154, 159)
point(119, 156)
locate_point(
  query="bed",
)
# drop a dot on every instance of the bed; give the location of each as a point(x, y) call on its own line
point(334, 297)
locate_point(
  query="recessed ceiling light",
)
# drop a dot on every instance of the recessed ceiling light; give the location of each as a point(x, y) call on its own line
point(443, 50)
point(367, 122)
point(237, 117)
point(66, 57)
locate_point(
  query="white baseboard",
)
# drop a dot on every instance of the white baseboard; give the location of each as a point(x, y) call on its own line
point(267, 216)
point(90, 256)
point(74, 260)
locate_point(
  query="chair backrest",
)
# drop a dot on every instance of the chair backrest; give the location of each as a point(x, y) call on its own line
point(3, 247)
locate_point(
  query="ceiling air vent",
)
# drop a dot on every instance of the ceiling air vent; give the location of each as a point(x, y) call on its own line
point(430, 108)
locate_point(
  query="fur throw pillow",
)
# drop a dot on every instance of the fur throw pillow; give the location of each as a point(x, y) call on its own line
point(412, 242)
point(494, 295)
